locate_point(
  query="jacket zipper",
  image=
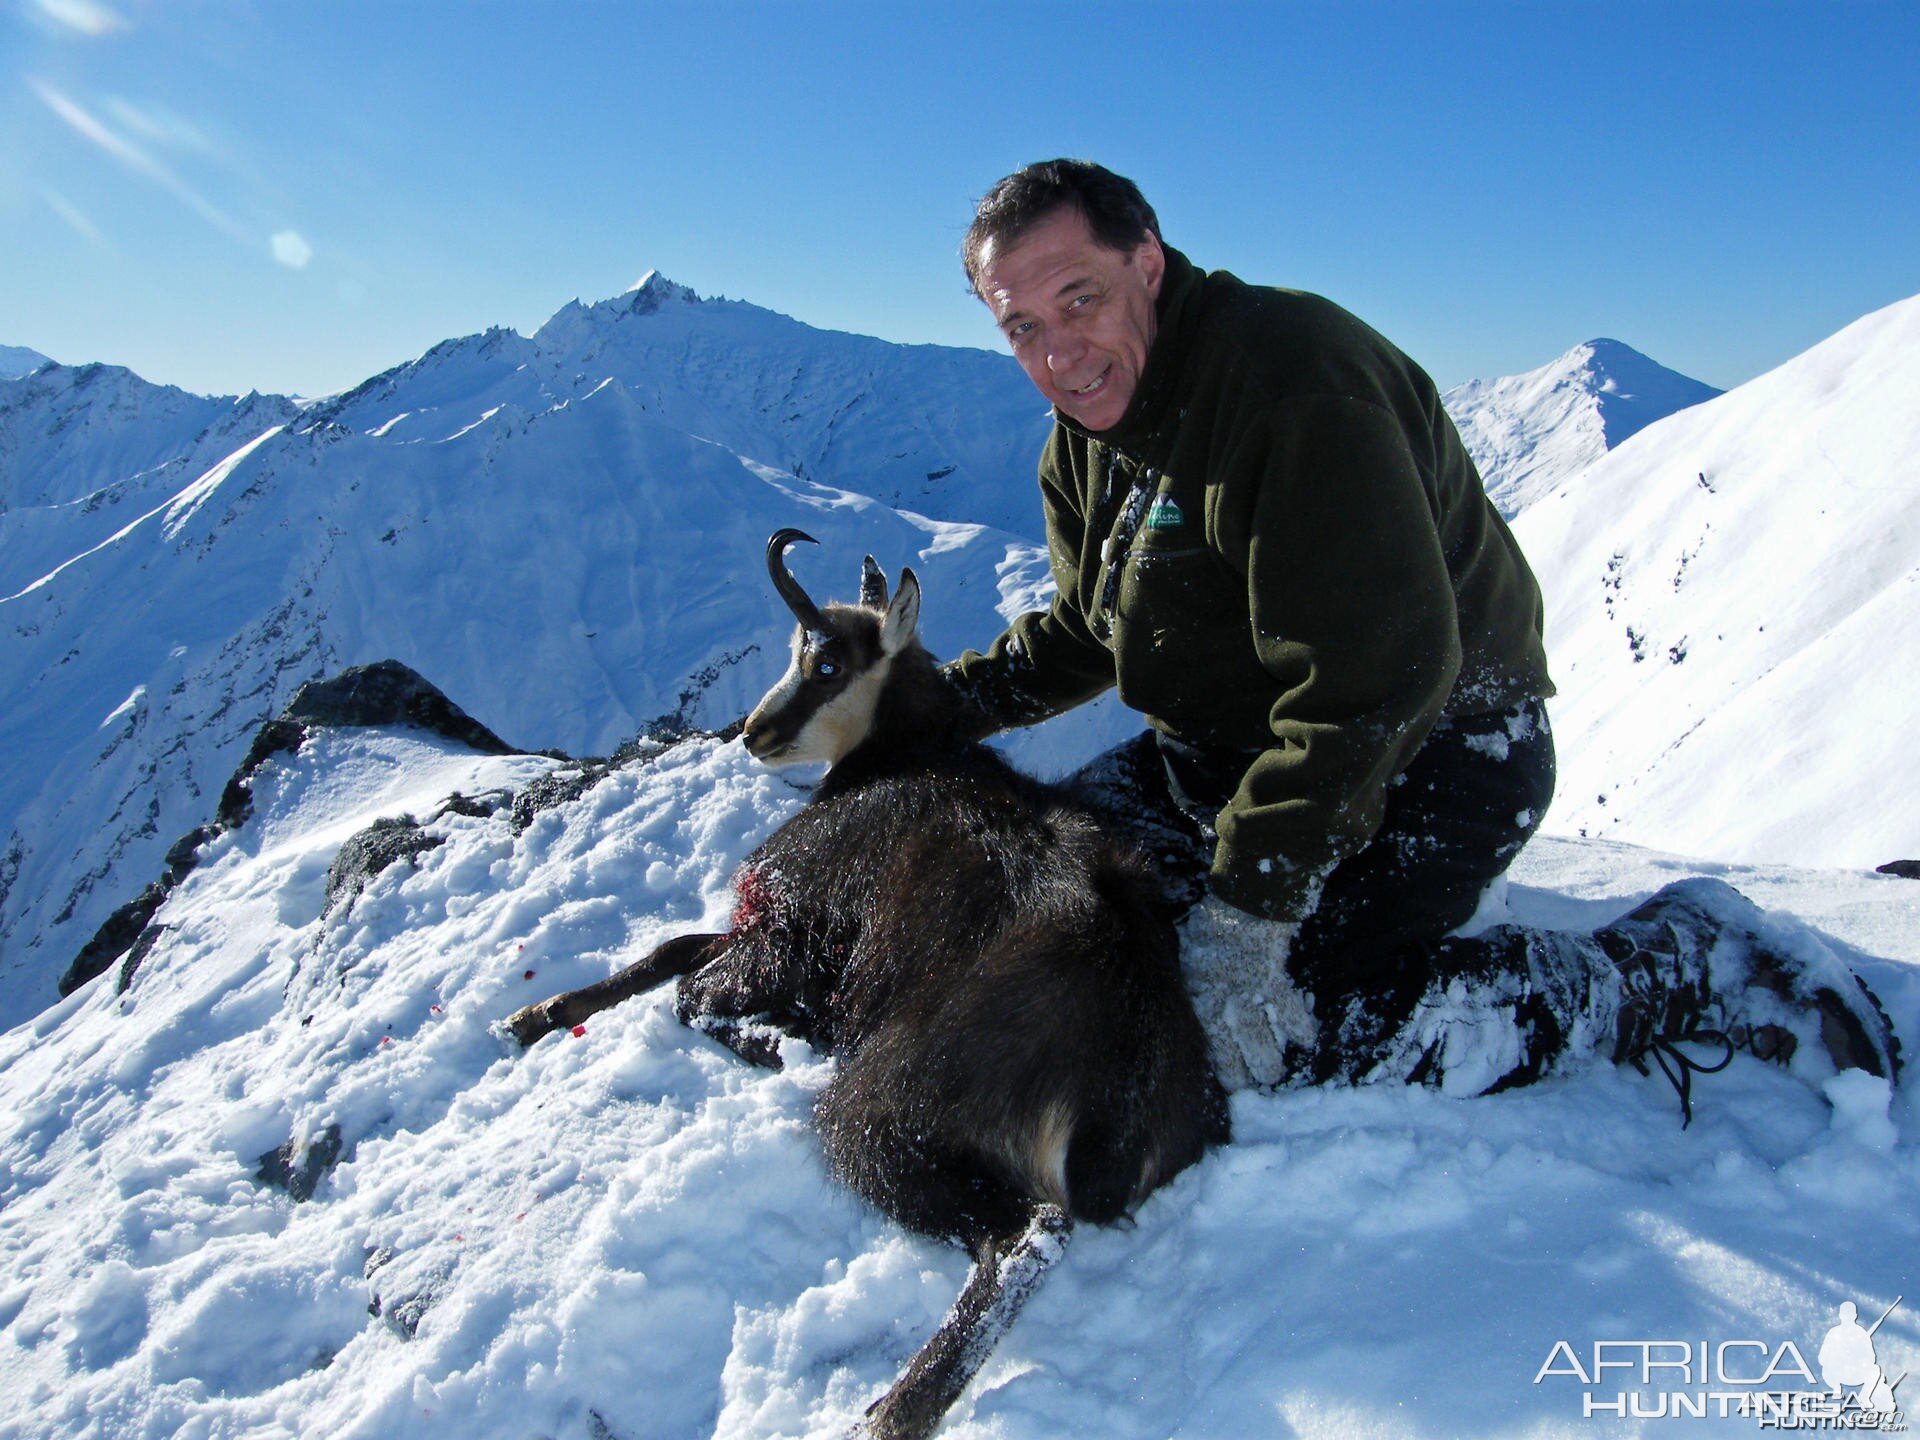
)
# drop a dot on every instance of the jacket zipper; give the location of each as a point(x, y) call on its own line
point(1114, 551)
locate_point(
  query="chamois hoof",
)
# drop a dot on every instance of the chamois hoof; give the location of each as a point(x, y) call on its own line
point(532, 1023)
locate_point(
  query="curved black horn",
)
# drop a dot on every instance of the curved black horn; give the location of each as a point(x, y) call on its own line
point(804, 610)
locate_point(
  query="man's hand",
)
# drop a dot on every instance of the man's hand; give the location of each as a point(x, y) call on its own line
point(1259, 1026)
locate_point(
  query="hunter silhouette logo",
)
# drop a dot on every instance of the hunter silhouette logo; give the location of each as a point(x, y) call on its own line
point(1771, 1384)
point(1848, 1362)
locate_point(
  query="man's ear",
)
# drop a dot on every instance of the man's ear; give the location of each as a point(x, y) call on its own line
point(1152, 260)
point(902, 617)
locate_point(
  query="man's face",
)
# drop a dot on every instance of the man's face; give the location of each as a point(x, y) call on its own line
point(1079, 316)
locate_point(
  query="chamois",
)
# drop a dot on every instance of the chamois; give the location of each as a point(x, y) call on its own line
point(1002, 991)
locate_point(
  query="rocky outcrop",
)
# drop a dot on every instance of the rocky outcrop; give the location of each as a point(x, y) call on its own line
point(386, 693)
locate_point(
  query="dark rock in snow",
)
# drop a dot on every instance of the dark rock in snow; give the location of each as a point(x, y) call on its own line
point(115, 937)
point(399, 1297)
point(388, 693)
point(300, 1173)
point(563, 787)
point(277, 737)
point(550, 792)
point(385, 693)
point(475, 807)
point(142, 946)
point(380, 845)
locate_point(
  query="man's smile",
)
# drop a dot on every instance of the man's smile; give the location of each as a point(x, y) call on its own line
point(1093, 386)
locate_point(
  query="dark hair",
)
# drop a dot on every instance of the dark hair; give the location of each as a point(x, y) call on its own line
point(1116, 211)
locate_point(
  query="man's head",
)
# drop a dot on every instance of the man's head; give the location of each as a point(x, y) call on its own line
point(1067, 256)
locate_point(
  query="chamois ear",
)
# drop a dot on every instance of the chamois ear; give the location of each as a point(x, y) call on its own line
point(902, 617)
point(873, 585)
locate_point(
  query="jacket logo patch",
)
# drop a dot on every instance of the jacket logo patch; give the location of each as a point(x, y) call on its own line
point(1165, 514)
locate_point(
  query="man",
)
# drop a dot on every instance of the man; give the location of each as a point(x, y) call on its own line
point(1266, 532)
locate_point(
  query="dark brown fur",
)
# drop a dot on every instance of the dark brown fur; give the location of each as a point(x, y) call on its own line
point(1014, 1037)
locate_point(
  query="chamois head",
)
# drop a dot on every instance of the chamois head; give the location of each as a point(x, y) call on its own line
point(823, 708)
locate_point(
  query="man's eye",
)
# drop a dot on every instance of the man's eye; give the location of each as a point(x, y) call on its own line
point(1020, 331)
point(1080, 302)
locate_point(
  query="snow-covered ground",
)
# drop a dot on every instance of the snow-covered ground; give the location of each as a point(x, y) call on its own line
point(629, 1232)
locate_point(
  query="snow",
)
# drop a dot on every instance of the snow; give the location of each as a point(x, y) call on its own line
point(631, 1233)
point(561, 531)
point(1729, 597)
point(16, 360)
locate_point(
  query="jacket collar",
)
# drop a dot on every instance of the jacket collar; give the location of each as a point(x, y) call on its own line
point(1143, 428)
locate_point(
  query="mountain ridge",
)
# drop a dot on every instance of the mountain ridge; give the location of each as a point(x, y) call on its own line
point(562, 532)
point(1529, 432)
point(17, 360)
point(558, 528)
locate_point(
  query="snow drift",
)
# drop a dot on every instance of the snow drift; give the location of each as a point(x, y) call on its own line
point(628, 1233)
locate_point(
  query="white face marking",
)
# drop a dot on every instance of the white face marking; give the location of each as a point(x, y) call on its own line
point(784, 690)
point(835, 729)
point(838, 727)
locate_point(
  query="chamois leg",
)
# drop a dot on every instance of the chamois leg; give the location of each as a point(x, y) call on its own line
point(761, 987)
point(676, 957)
point(1005, 1271)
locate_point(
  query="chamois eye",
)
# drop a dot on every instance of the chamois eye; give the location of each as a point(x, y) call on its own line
point(826, 670)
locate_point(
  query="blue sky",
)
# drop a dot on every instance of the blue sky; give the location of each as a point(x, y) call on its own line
point(293, 196)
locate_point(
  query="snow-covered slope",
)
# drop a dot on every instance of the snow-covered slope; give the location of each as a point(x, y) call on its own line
point(1730, 615)
point(1529, 432)
point(628, 1233)
point(559, 529)
point(18, 360)
point(84, 449)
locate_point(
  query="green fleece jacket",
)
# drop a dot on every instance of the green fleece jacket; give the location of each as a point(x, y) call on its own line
point(1283, 547)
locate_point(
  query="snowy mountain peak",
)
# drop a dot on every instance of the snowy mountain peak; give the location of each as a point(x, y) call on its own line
point(1529, 432)
point(100, 434)
point(1633, 391)
point(652, 290)
point(17, 360)
point(648, 295)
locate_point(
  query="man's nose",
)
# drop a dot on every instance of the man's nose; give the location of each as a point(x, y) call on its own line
point(1065, 352)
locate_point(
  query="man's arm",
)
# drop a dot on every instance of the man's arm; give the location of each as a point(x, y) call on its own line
point(1046, 661)
point(1353, 614)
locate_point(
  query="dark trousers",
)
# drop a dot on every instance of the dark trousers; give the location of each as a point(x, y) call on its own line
point(1454, 821)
